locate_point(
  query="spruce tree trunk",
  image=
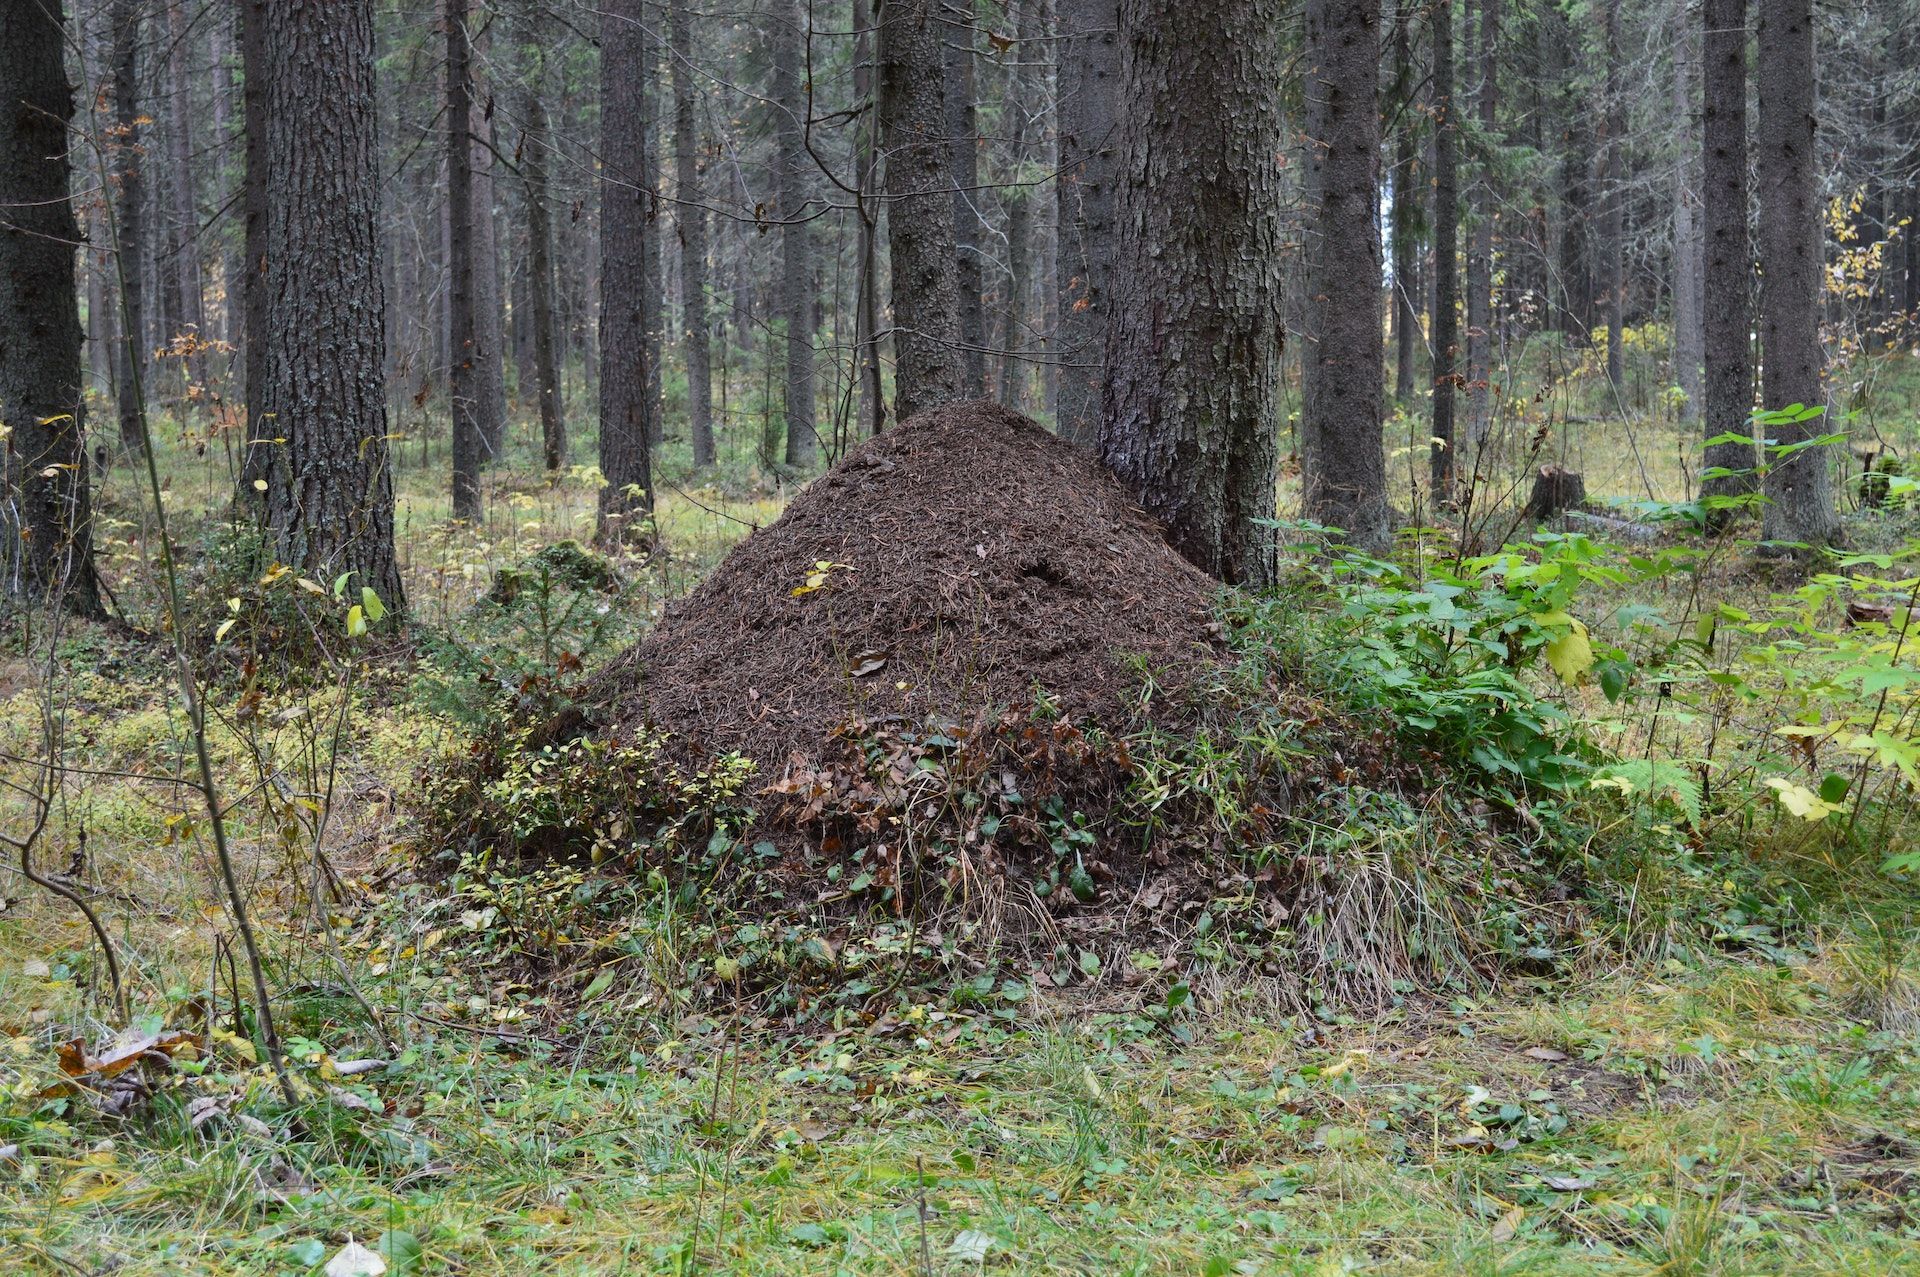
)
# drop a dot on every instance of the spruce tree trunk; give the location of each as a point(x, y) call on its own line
point(1193, 352)
point(1089, 112)
point(873, 406)
point(1613, 249)
point(1800, 501)
point(1017, 198)
point(546, 369)
point(1344, 483)
point(129, 209)
point(1480, 241)
point(466, 385)
point(1406, 217)
point(929, 369)
point(791, 168)
point(626, 408)
point(1446, 236)
point(653, 305)
point(189, 306)
point(1689, 280)
point(690, 221)
point(329, 486)
point(964, 131)
point(1728, 314)
point(253, 273)
point(48, 524)
point(489, 349)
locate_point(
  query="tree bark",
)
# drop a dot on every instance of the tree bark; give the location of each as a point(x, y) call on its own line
point(1406, 217)
point(49, 522)
point(1193, 350)
point(131, 237)
point(791, 168)
point(1480, 404)
point(189, 305)
point(329, 486)
point(626, 407)
point(488, 352)
point(466, 386)
point(1446, 235)
point(690, 221)
point(1689, 279)
point(1728, 315)
point(928, 367)
point(546, 370)
point(1800, 503)
point(1344, 483)
point(1612, 245)
point(964, 133)
point(1088, 115)
point(873, 405)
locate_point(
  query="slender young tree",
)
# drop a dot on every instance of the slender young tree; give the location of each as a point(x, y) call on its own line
point(329, 486)
point(928, 367)
point(1800, 504)
point(1088, 118)
point(1446, 236)
point(690, 225)
point(1193, 348)
point(1728, 317)
point(129, 194)
point(1344, 482)
point(626, 407)
point(48, 524)
point(546, 371)
point(466, 387)
point(791, 168)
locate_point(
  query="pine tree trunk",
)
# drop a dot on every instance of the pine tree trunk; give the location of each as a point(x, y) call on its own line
point(488, 351)
point(791, 168)
point(928, 367)
point(690, 221)
point(1480, 405)
point(1089, 111)
point(546, 369)
point(1406, 216)
point(1344, 484)
point(1689, 281)
point(873, 406)
point(1800, 502)
point(1613, 246)
point(130, 208)
point(466, 385)
point(1193, 352)
point(1446, 236)
point(253, 274)
point(963, 131)
point(48, 523)
point(1018, 201)
point(626, 409)
point(189, 306)
point(1728, 315)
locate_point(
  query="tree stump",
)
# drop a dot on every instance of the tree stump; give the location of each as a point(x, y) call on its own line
point(1555, 488)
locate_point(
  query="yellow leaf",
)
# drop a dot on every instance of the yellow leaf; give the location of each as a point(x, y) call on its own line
point(225, 625)
point(259, 485)
point(1570, 654)
point(1801, 801)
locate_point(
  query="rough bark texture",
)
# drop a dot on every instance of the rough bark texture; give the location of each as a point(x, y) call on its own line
point(48, 524)
point(1480, 402)
point(690, 224)
point(1344, 483)
point(873, 405)
point(1446, 236)
point(1089, 86)
point(465, 385)
point(1194, 345)
point(253, 203)
point(131, 238)
point(489, 349)
point(963, 131)
point(329, 486)
point(1406, 218)
point(546, 371)
point(1613, 249)
point(626, 409)
point(1800, 504)
point(189, 306)
point(928, 367)
point(1728, 318)
point(1689, 280)
point(787, 30)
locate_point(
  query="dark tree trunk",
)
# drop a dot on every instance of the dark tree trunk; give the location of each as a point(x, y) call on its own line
point(546, 370)
point(49, 522)
point(466, 385)
point(488, 351)
point(189, 307)
point(791, 168)
point(1089, 111)
point(626, 408)
point(867, 307)
point(1613, 252)
point(131, 236)
point(1406, 218)
point(1800, 504)
point(1689, 287)
point(253, 274)
point(1018, 201)
point(329, 487)
point(1728, 317)
point(1446, 235)
point(1344, 484)
point(928, 367)
point(653, 305)
point(1193, 352)
point(690, 221)
point(964, 131)
point(1480, 404)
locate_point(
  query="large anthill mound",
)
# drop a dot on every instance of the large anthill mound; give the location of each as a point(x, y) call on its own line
point(967, 562)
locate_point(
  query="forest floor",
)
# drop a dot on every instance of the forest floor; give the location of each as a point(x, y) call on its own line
point(1745, 1103)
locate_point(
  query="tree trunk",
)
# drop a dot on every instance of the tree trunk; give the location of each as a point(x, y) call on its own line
point(1689, 280)
point(1344, 483)
point(867, 307)
point(626, 408)
point(329, 487)
point(1480, 404)
point(791, 168)
point(546, 370)
point(1406, 218)
point(466, 386)
point(1728, 315)
point(1193, 352)
point(928, 367)
point(1800, 504)
point(1089, 111)
point(49, 522)
point(129, 203)
point(1612, 246)
point(1018, 200)
point(1446, 235)
point(189, 306)
point(488, 352)
point(963, 130)
point(690, 221)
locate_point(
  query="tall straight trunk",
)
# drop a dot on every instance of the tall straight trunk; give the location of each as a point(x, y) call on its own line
point(1018, 200)
point(1480, 242)
point(252, 17)
point(1406, 218)
point(1446, 235)
point(466, 385)
point(189, 304)
point(1613, 253)
point(928, 367)
point(329, 486)
point(130, 207)
point(1689, 280)
point(49, 521)
point(226, 97)
point(791, 167)
point(1088, 48)
point(873, 405)
point(626, 407)
point(489, 349)
point(1800, 502)
point(1193, 352)
point(653, 305)
point(96, 49)
point(546, 369)
point(690, 222)
point(964, 131)
point(1728, 314)
point(1344, 483)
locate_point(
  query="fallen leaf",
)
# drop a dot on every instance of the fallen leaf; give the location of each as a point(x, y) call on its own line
point(1566, 1183)
point(1546, 1053)
point(355, 1260)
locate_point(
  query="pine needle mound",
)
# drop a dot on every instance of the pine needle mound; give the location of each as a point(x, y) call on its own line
point(960, 565)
